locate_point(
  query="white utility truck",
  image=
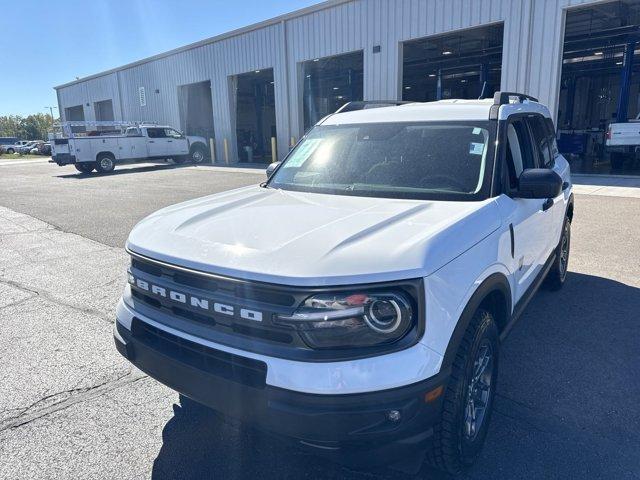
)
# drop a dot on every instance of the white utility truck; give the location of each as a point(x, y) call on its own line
point(112, 143)
point(623, 142)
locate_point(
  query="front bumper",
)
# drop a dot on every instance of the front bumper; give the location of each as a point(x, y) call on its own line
point(355, 428)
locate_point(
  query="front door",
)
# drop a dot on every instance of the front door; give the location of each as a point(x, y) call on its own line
point(528, 219)
point(177, 143)
point(157, 143)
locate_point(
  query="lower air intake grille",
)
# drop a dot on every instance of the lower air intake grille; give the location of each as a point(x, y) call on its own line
point(239, 369)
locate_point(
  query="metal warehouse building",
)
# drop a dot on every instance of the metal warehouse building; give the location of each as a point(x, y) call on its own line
point(267, 83)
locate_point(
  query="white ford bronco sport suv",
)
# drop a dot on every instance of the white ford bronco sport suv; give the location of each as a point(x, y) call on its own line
point(356, 301)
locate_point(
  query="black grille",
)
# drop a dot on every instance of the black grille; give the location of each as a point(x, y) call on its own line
point(241, 290)
point(238, 369)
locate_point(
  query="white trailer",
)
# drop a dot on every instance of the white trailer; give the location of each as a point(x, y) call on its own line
point(109, 143)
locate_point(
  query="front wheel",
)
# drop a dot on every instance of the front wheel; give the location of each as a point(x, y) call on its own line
point(197, 154)
point(468, 401)
point(11, 151)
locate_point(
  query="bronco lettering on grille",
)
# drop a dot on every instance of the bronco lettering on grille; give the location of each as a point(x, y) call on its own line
point(193, 301)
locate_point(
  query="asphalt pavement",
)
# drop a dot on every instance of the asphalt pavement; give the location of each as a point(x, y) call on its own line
point(71, 407)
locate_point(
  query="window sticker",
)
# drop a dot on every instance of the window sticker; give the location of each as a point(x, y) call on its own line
point(476, 148)
point(304, 151)
point(477, 131)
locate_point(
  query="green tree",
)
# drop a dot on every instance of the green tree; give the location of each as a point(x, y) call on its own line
point(9, 125)
point(31, 127)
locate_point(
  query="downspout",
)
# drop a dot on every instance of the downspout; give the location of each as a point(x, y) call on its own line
point(281, 149)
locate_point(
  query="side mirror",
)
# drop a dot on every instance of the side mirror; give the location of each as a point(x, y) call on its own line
point(272, 168)
point(539, 183)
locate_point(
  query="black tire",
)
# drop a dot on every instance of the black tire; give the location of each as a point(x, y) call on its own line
point(455, 444)
point(558, 273)
point(105, 163)
point(10, 150)
point(197, 154)
point(85, 167)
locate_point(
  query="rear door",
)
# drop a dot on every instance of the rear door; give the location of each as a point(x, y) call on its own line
point(157, 143)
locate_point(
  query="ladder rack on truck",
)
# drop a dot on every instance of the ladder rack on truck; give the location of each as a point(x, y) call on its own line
point(75, 129)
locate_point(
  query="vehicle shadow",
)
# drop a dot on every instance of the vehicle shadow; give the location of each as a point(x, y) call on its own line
point(126, 170)
point(534, 434)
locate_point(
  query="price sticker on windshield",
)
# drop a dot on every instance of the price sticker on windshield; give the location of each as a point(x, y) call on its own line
point(476, 148)
point(304, 151)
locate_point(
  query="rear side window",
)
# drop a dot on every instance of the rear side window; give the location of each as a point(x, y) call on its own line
point(155, 132)
point(541, 140)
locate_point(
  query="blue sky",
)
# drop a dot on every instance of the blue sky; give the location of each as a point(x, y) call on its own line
point(46, 43)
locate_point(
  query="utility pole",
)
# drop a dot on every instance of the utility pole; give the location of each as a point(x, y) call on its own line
point(51, 112)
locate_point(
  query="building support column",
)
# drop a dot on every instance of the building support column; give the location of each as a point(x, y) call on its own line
point(625, 82)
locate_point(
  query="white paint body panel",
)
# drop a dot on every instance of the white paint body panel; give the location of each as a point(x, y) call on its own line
point(624, 134)
point(311, 239)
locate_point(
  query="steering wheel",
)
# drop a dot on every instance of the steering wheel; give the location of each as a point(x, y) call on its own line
point(437, 181)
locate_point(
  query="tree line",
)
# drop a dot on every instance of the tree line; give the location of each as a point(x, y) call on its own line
point(31, 127)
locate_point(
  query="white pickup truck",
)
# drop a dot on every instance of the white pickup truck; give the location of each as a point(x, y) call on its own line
point(623, 141)
point(138, 143)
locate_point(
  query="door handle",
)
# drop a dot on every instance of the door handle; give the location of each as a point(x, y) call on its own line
point(151, 141)
point(169, 141)
point(548, 203)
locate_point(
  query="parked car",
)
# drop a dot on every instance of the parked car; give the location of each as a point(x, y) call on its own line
point(139, 143)
point(357, 300)
point(6, 142)
point(27, 147)
point(13, 148)
point(44, 148)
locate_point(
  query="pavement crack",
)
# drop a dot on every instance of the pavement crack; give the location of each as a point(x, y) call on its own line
point(76, 395)
point(58, 301)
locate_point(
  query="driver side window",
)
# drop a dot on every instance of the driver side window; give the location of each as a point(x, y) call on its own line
point(171, 133)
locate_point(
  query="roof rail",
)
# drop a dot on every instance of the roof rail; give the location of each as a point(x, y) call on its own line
point(366, 104)
point(504, 98)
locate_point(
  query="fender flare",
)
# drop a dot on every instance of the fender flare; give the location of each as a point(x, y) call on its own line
point(195, 144)
point(569, 211)
point(496, 282)
point(107, 153)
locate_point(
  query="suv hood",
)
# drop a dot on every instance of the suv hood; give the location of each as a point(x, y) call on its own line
point(312, 239)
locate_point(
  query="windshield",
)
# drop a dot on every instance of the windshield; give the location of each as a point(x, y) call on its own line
point(434, 160)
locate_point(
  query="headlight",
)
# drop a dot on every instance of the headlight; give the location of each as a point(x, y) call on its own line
point(346, 320)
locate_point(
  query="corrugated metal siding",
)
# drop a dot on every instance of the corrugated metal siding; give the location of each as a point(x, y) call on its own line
point(95, 90)
point(533, 37)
